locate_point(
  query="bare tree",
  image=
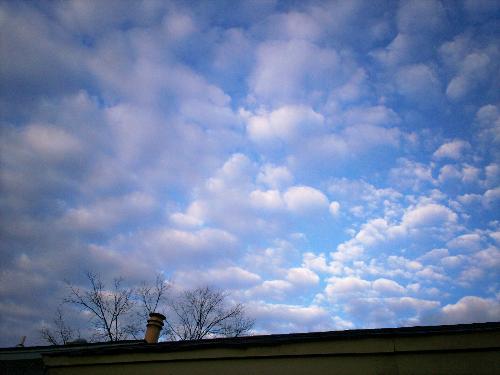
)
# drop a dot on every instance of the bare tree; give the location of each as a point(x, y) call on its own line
point(120, 312)
point(61, 333)
point(108, 308)
point(152, 297)
point(204, 313)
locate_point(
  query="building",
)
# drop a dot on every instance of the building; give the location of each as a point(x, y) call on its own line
point(449, 349)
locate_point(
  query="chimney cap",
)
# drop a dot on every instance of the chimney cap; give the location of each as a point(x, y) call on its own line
point(157, 315)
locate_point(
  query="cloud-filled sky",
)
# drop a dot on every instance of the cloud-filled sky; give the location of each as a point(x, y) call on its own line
point(333, 165)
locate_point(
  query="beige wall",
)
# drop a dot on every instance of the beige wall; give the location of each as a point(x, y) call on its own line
point(442, 363)
point(471, 353)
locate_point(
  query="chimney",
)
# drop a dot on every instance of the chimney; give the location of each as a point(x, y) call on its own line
point(153, 328)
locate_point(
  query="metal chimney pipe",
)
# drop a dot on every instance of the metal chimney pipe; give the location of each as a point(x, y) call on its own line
point(153, 328)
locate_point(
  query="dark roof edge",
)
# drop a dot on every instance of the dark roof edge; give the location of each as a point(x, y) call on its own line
point(70, 346)
point(263, 340)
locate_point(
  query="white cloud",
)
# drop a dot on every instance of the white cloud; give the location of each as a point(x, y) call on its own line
point(284, 69)
point(431, 274)
point(434, 255)
point(411, 174)
point(302, 277)
point(492, 172)
point(294, 25)
point(387, 287)
point(178, 25)
point(410, 303)
point(51, 142)
point(471, 309)
point(294, 318)
point(488, 116)
point(272, 289)
point(488, 258)
point(452, 150)
point(374, 115)
point(238, 168)
point(491, 197)
point(449, 172)
point(274, 176)
point(184, 220)
point(474, 68)
point(231, 277)
point(174, 246)
point(315, 262)
point(303, 199)
point(418, 82)
point(453, 261)
point(106, 213)
point(429, 215)
point(468, 199)
point(495, 236)
point(334, 208)
point(347, 285)
point(286, 124)
point(469, 242)
point(416, 16)
point(267, 200)
point(352, 90)
point(405, 263)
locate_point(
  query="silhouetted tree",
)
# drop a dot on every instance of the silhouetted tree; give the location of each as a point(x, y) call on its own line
point(108, 308)
point(204, 312)
point(121, 312)
point(61, 334)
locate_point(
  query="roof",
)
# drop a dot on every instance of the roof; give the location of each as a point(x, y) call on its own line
point(138, 346)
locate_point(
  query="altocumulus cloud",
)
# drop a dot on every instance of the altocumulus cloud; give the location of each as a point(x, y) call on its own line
point(333, 164)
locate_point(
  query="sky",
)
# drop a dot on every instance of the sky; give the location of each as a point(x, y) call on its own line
point(331, 164)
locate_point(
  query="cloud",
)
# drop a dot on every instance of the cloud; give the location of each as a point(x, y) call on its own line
point(105, 214)
point(470, 62)
point(491, 197)
point(273, 290)
point(50, 142)
point(449, 172)
point(469, 242)
point(223, 142)
point(291, 318)
point(334, 208)
point(174, 246)
point(294, 25)
point(387, 287)
point(377, 301)
point(411, 174)
point(415, 16)
point(488, 122)
point(302, 277)
point(348, 285)
point(303, 199)
point(474, 68)
point(471, 309)
point(231, 277)
point(286, 124)
point(274, 176)
point(451, 150)
point(283, 70)
point(418, 82)
point(267, 200)
point(429, 215)
point(39, 61)
point(185, 220)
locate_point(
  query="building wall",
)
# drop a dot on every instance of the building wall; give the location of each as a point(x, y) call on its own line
point(442, 363)
point(470, 353)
